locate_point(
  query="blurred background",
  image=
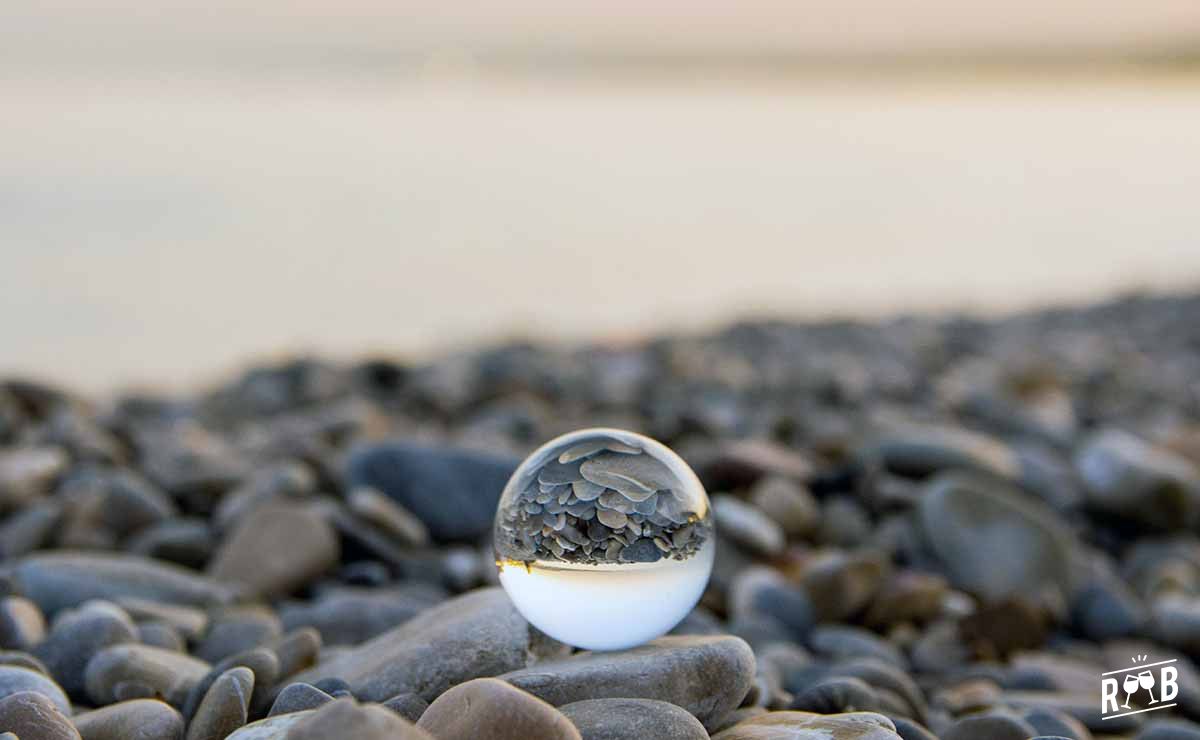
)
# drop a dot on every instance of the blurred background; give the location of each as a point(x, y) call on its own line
point(185, 187)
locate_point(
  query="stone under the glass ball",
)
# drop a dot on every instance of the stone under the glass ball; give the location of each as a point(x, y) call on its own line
point(604, 539)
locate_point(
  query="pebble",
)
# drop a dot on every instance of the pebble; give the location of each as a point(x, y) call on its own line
point(31, 716)
point(1128, 477)
point(845, 641)
point(184, 541)
point(842, 584)
point(477, 634)
point(161, 634)
point(27, 472)
point(225, 706)
point(407, 705)
point(138, 719)
point(747, 526)
point(617, 719)
point(401, 524)
point(261, 663)
point(707, 676)
point(275, 550)
point(17, 680)
point(22, 660)
point(190, 622)
point(787, 503)
point(454, 492)
point(760, 594)
point(350, 616)
point(837, 695)
point(488, 707)
point(298, 697)
point(237, 629)
point(990, 727)
point(1170, 730)
point(21, 623)
point(61, 580)
point(971, 524)
point(297, 650)
point(808, 726)
point(921, 450)
point(346, 718)
point(271, 728)
point(77, 635)
point(163, 673)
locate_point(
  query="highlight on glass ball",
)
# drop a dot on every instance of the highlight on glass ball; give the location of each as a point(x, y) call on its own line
point(604, 539)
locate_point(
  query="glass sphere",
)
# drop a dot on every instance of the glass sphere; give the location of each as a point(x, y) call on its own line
point(604, 539)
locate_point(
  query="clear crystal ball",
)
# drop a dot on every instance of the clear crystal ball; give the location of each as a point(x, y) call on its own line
point(604, 539)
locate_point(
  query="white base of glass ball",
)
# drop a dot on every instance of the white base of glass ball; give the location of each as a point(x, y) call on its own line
point(608, 607)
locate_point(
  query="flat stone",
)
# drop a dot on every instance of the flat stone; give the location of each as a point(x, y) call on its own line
point(841, 584)
point(225, 706)
point(298, 697)
point(477, 634)
point(138, 719)
point(617, 719)
point(77, 635)
point(350, 616)
point(21, 623)
point(163, 673)
point(32, 716)
point(389, 516)
point(747, 526)
point(454, 492)
point(275, 550)
point(845, 641)
point(63, 579)
point(707, 676)
point(489, 707)
point(922, 450)
point(348, 719)
point(189, 621)
point(808, 726)
point(27, 472)
point(760, 593)
point(297, 650)
point(837, 695)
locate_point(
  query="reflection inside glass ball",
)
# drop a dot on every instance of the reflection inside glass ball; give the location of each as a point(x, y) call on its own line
point(604, 539)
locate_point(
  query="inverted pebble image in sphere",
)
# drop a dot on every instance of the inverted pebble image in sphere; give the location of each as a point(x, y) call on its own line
point(604, 539)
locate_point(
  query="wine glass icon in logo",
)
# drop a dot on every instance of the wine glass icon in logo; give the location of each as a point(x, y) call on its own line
point(1146, 680)
point(1130, 685)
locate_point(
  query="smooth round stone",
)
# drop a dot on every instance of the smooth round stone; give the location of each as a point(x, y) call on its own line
point(911, 730)
point(351, 616)
point(1052, 722)
point(836, 695)
point(32, 716)
point(748, 526)
point(585, 581)
point(161, 634)
point(389, 516)
point(762, 594)
point(972, 524)
point(617, 719)
point(842, 584)
point(21, 623)
point(271, 728)
point(346, 718)
point(489, 707)
point(297, 650)
point(808, 726)
point(77, 635)
point(920, 450)
point(788, 504)
point(22, 660)
point(225, 706)
point(260, 661)
point(1126, 476)
point(275, 550)
point(298, 697)
point(163, 673)
point(990, 727)
point(189, 621)
point(454, 492)
point(844, 523)
point(15, 680)
point(235, 630)
point(840, 642)
point(138, 719)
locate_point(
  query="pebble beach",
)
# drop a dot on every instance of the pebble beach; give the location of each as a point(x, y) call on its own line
point(923, 527)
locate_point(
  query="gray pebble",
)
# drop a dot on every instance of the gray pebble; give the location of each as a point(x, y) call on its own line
point(298, 697)
point(32, 716)
point(225, 706)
